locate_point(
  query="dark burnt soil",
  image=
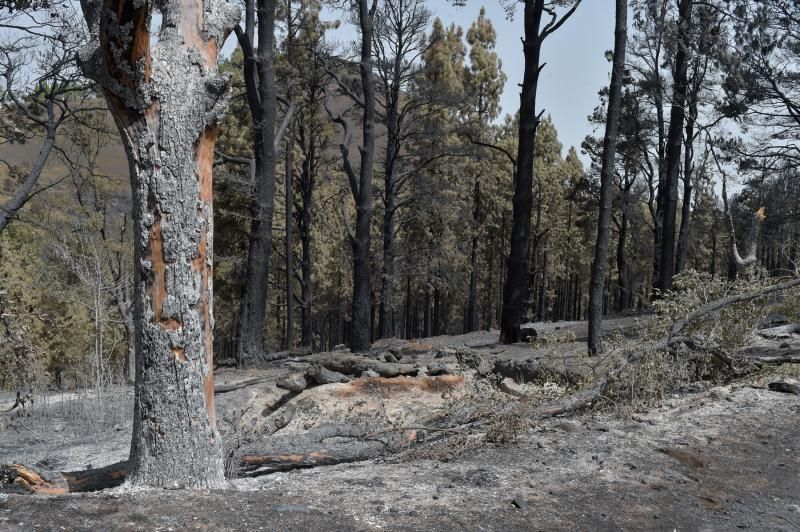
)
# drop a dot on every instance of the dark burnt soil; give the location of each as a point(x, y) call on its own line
point(722, 459)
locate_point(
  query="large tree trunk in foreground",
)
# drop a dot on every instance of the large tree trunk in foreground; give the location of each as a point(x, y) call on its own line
point(166, 100)
point(600, 264)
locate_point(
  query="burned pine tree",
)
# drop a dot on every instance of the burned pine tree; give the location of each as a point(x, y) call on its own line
point(600, 263)
point(516, 284)
point(166, 99)
point(360, 181)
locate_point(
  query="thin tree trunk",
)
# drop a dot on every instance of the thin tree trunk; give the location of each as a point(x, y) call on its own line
point(471, 320)
point(674, 145)
point(688, 171)
point(305, 242)
point(600, 263)
point(622, 262)
point(289, 246)
point(23, 194)
point(436, 311)
point(428, 315)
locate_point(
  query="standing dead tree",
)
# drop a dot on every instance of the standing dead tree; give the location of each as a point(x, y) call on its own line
point(360, 181)
point(516, 284)
point(600, 262)
point(166, 99)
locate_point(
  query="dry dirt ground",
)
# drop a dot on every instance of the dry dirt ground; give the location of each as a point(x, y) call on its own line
point(710, 458)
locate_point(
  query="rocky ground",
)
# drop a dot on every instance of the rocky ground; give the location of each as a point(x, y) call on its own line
point(452, 452)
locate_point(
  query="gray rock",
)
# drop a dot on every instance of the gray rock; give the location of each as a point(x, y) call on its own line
point(519, 502)
point(293, 383)
point(321, 375)
point(527, 333)
point(433, 371)
point(368, 373)
point(388, 357)
point(445, 352)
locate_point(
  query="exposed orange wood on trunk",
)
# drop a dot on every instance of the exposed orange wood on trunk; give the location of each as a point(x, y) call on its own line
point(158, 289)
point(70, 482)
point(192, 31)
point(202, 264)
point(179, 353)
point(134, 47)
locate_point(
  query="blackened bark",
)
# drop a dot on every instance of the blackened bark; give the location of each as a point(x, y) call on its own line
point(386, 308)
point(289, 289)
point(623, 275)
point(688, 174)
point(436, 311)
point(304, 225)
point(289, 185)
point(517, 275)
point(166, 100)
point(516, 285)
point(658, 100)
point(362, 277)
point(259, 71)
point(674, 145)
point(428, 315)
point(472, 319)
point(600, 263)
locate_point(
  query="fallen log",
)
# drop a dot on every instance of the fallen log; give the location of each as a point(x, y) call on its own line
point(64, 482)
point(225, 388)
point(770, 355)
point(322, 446)
point(356, 365)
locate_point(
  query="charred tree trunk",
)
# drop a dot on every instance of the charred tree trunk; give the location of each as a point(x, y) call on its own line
point(166, 99)
point(600, 263)
point(472, 297)
point(517, 271)
point(688, 171)
point(386, 309)
point(436, 311)
point(362, 188)
point(428, 316)
point(307, 189)
point(259, 73)
point(516, 285)
point(623, 275)
point(674, 145)
point(289, 245)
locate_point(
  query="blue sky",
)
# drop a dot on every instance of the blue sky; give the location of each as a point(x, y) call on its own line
point(575, 56)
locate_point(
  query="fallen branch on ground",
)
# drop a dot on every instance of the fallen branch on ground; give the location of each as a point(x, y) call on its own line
point(714, 306)
point(66, 482)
